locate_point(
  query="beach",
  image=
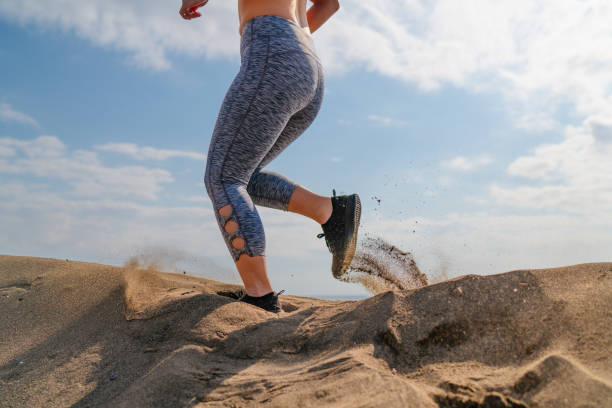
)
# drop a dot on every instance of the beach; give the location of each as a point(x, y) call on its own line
point(77, 334)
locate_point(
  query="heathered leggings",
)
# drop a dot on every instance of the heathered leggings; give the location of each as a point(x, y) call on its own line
point(273, 99)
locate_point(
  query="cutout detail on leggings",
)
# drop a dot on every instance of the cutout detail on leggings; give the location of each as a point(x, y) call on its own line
point(231, 236)
point(236, 243)
point(227, 225)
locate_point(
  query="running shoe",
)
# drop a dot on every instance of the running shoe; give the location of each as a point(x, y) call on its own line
point(340, 231)
point(267, 302)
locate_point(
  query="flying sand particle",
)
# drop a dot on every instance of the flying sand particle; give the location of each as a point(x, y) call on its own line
point(380, 266)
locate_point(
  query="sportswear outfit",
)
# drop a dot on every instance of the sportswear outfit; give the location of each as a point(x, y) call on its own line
point(273, 99)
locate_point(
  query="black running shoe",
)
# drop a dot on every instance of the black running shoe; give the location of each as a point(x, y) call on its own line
point(267, 302)
point(340, 231)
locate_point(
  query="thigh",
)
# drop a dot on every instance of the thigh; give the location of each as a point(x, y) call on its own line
point(297, 124)
point(255, 111)
point(234, 142)
point(268, 105)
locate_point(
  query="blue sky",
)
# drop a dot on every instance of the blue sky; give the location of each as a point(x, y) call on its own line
point(484, 130)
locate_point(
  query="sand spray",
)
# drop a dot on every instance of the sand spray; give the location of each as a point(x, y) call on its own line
point(163, 258)
point(380, 266)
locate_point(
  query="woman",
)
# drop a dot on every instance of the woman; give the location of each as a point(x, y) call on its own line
point(273, 99)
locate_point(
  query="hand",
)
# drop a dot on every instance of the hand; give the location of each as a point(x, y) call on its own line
point(189, 9)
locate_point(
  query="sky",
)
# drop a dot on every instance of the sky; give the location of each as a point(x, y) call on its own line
point(478, 135)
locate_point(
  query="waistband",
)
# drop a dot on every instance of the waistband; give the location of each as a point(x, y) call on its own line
point(277, 27)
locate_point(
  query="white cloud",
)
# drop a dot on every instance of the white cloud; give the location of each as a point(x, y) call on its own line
point(445, 181)
point(36, 221)
point(40, 222)
point(146, 152)
point(7, 151)
point(387, 121)
point(540, 120)
point(574, 175)
point(147, 30)
point(47, 157)
point(202, 199)
point(47, 146)
point(538, 52)
point(463, 163)
point(484, 243)
point(99, 215)
point(8, 114)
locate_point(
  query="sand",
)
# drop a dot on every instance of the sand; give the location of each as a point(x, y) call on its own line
point(77, 334)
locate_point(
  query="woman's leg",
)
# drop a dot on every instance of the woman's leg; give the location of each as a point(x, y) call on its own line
point(242, 136)
point(273, 190)
point(252, 270)
point(311, 205)
point(270, 189)
point(262, 99)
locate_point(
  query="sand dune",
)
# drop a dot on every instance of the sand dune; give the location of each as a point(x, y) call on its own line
point(88, 335)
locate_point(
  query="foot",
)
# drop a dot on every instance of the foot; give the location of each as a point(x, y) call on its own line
point(267, 302)
point(340, 231)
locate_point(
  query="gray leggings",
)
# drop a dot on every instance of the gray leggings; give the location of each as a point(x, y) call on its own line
point(273, 99)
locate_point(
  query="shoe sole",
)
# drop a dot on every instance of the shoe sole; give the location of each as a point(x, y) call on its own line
point(341, 262)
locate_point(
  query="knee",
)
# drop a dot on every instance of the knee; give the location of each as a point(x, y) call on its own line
point(252, 181)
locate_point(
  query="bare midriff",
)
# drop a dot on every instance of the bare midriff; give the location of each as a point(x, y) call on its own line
point(294, 10)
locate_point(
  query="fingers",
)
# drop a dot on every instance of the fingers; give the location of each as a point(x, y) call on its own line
point(189, 11)
point(194, 12)
point(184, 13)
point(189, 14)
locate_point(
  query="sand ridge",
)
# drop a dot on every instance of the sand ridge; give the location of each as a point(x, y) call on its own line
point(88, 335)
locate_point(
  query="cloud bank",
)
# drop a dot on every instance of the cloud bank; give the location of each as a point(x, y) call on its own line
point(47, 158)
point(8, 114)
point(148, 31)
point(463, 163)
point(148, 152)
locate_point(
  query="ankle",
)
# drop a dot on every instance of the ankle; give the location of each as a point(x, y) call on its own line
point(258, 292)
point(325, 211)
